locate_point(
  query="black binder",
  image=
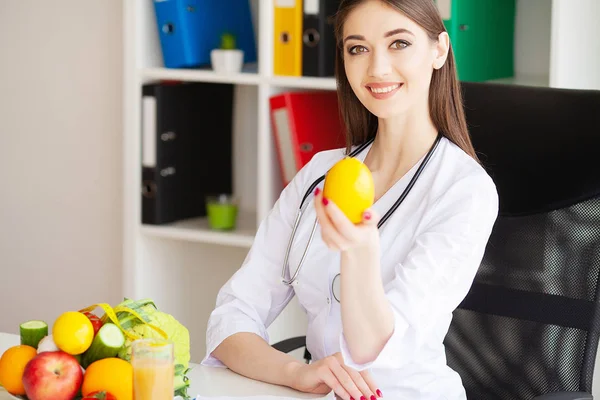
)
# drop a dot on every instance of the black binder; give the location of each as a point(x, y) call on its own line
point(186, 148)
point(318, 38)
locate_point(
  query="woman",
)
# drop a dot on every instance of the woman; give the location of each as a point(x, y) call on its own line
point(398, 285)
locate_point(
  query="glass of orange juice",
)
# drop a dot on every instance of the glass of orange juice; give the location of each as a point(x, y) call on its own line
point(153, 362)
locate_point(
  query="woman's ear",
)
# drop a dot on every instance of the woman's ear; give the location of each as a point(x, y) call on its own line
point(442, 48)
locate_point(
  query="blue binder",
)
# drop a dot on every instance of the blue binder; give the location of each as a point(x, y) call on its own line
point(190, 29)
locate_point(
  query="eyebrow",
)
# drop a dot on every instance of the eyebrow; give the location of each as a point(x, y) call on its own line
point(387, 34)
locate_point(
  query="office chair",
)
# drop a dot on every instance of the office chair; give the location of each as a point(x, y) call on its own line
point(529, 326)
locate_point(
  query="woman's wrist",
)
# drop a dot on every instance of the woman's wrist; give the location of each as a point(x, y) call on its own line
point(290, 373)
point(360, 256)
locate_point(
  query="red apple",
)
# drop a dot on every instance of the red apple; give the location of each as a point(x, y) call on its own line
point(52, 375)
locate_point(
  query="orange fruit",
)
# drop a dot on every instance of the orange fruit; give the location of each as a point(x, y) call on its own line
point(73, 332)
point(349, 184)
point(12, 365)
point(112, 374)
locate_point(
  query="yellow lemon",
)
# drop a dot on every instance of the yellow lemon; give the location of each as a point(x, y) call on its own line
point(349, 184)
point(73, 332)
point(12, 366)
point(110, 374)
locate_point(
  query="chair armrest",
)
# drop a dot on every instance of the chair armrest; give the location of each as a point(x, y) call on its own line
point(289, 345)
point(565, 396)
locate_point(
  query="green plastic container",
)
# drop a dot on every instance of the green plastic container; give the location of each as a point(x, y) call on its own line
point(482, 33)
point(222, 212)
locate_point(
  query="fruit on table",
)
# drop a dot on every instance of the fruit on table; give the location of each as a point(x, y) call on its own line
point(107, 343)
point(32, 332)
point(100, 394)
point(12, 367)
point(52, 375)
point(95, 320)
point(73, 332)
point(349, 184)
point(110, 374)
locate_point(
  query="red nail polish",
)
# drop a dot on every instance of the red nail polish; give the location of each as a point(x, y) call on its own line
point(317, 191)
point(367, 215)
point(363, 398)
point(351, 398)
point(325, 202)
point(373, 398)
point(379, 393)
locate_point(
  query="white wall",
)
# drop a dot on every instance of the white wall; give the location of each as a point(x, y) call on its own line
point(60, 157)
point(575, 33)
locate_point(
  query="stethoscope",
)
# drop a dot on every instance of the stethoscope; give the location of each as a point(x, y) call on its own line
point(383, 219)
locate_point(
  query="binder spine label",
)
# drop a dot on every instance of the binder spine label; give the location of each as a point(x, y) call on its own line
point(286, 145)
point(311, 7)
point(285, 3)
point(148, 131)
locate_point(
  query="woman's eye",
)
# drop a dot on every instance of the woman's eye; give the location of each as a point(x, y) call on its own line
point(400, 44)
point(357, 49)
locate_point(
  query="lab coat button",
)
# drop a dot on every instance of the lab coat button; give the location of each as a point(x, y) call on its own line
point(328, 300)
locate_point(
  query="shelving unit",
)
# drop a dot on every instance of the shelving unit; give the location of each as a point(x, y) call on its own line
point(182, 265)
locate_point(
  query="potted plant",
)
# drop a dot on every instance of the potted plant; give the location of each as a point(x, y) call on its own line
point(227, 58)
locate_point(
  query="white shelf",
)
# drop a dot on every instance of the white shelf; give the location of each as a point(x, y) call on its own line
point(247, 77)
point(197, 230)
point(303, 82)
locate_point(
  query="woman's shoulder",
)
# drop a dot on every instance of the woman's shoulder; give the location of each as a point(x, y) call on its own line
point(461, 174)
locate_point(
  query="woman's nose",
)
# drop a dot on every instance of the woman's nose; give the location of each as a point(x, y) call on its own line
point(379, 65)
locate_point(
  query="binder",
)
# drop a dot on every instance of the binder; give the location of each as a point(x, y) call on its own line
point(189, 29)
point(304, 123)
point(287, 51)
point(318, 38)
point(482, 36)
point(186, 148)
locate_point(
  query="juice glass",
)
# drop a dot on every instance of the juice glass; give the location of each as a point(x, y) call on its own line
point(153, 369)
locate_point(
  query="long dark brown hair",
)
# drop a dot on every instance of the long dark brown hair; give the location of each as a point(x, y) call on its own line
point(445, 97)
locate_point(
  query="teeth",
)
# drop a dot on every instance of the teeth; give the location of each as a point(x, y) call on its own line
point(385, 89)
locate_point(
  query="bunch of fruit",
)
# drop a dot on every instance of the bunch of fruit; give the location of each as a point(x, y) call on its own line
point(85, 356)
point(45, 367)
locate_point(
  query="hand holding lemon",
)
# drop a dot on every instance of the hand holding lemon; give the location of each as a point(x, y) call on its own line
point(343, 207)
point(349, 184)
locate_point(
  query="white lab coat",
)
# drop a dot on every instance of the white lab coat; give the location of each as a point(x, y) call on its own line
point(431, 249)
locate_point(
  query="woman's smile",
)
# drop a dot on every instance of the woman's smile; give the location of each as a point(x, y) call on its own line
point(383, 90)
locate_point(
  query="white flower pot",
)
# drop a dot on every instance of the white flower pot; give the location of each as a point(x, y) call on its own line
point(227, 61)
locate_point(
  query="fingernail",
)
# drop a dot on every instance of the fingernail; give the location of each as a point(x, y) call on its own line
point(373, 398)
point(317, 191)
point(325, 202)
point(379, 393)
point(351, 398)
point(367, 215)
point(363, 398)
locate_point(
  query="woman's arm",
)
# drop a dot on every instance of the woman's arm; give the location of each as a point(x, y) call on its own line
point(367, 317)
point(384, 326)
point(249, 355)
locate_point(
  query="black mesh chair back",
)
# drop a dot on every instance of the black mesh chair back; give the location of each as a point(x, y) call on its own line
point(530, 323)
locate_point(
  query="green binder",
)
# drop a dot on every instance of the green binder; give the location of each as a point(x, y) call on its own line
point(482, 36)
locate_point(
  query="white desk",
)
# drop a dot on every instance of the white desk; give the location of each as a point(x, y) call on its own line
point(209, 382)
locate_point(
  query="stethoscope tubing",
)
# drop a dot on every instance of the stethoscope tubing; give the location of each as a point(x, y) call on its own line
point(383, 219)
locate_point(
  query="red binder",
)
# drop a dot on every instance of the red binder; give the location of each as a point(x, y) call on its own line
point(304, 123)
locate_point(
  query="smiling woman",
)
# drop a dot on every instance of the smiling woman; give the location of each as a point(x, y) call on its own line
point(408, 52)
point(378, 288)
